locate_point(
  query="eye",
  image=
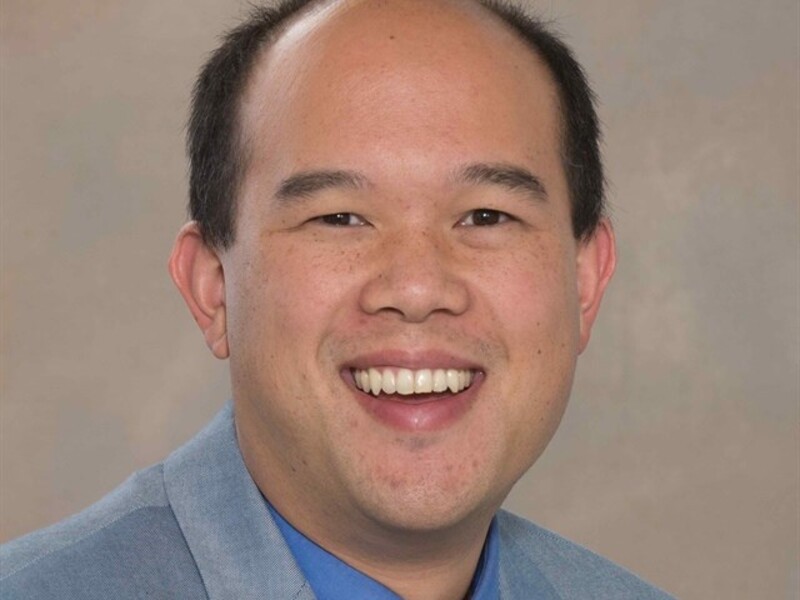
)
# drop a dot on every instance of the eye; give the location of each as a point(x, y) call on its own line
point(481, 217)
point(342, 220)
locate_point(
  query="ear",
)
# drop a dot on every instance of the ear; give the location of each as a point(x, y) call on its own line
point(597, 259)
point(197, 271)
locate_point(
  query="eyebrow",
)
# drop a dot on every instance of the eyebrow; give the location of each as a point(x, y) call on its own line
point(305, 184)
point(511, 177)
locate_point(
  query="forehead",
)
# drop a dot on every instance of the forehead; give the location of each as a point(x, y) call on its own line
point(387, 73)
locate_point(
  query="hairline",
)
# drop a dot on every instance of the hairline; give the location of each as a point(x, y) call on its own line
point(241, 150)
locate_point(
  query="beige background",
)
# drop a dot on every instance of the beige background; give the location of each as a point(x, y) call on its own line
point(678, 457)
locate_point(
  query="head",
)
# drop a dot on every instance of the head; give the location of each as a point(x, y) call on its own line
point(404, 222)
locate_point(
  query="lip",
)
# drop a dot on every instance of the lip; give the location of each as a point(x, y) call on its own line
point(417, 413)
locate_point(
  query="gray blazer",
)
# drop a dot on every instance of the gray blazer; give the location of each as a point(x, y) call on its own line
point(196, 526)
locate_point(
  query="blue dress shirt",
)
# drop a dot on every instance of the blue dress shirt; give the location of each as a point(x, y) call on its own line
point(333, 579)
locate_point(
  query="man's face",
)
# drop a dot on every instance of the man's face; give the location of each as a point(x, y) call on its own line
point(415, 246)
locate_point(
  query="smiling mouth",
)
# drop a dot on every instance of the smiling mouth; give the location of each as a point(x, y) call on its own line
point(411, 382)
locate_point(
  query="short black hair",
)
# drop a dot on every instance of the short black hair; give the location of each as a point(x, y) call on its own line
point(217, 153)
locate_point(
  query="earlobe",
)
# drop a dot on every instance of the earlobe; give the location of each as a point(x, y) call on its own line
point(597, 259)
point(197, 272)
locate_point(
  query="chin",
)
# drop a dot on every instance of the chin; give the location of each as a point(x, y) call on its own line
point(429, 504)
point(422, 517)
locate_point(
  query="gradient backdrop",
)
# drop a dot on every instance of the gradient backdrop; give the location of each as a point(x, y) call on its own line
point(678, 457)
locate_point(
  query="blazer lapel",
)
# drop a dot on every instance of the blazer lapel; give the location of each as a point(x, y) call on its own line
point(237, 547)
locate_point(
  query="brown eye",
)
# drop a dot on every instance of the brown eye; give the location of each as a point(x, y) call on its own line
point(482, 217)
point(342, 220)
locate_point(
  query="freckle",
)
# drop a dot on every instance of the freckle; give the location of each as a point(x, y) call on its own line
point(539, 351)
point(391, 37)
point(475, 464)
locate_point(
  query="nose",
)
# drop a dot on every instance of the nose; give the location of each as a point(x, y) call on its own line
point(415, 278)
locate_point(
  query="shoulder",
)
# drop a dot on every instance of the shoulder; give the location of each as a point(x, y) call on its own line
point(570, 570)
point(128, 545)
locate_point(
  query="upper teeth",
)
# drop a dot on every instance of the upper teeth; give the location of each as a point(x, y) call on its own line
point(407, 381)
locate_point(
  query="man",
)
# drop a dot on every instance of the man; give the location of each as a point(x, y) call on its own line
point(398, 241)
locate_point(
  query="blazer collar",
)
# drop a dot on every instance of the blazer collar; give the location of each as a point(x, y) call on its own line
point(236, 545)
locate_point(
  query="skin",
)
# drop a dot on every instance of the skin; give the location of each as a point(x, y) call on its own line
point(404, 94)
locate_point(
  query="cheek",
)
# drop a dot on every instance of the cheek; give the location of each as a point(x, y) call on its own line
point(312, 283)
point(282, 305)
point(294, 294)
point(533, 303)
point(532, 293)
